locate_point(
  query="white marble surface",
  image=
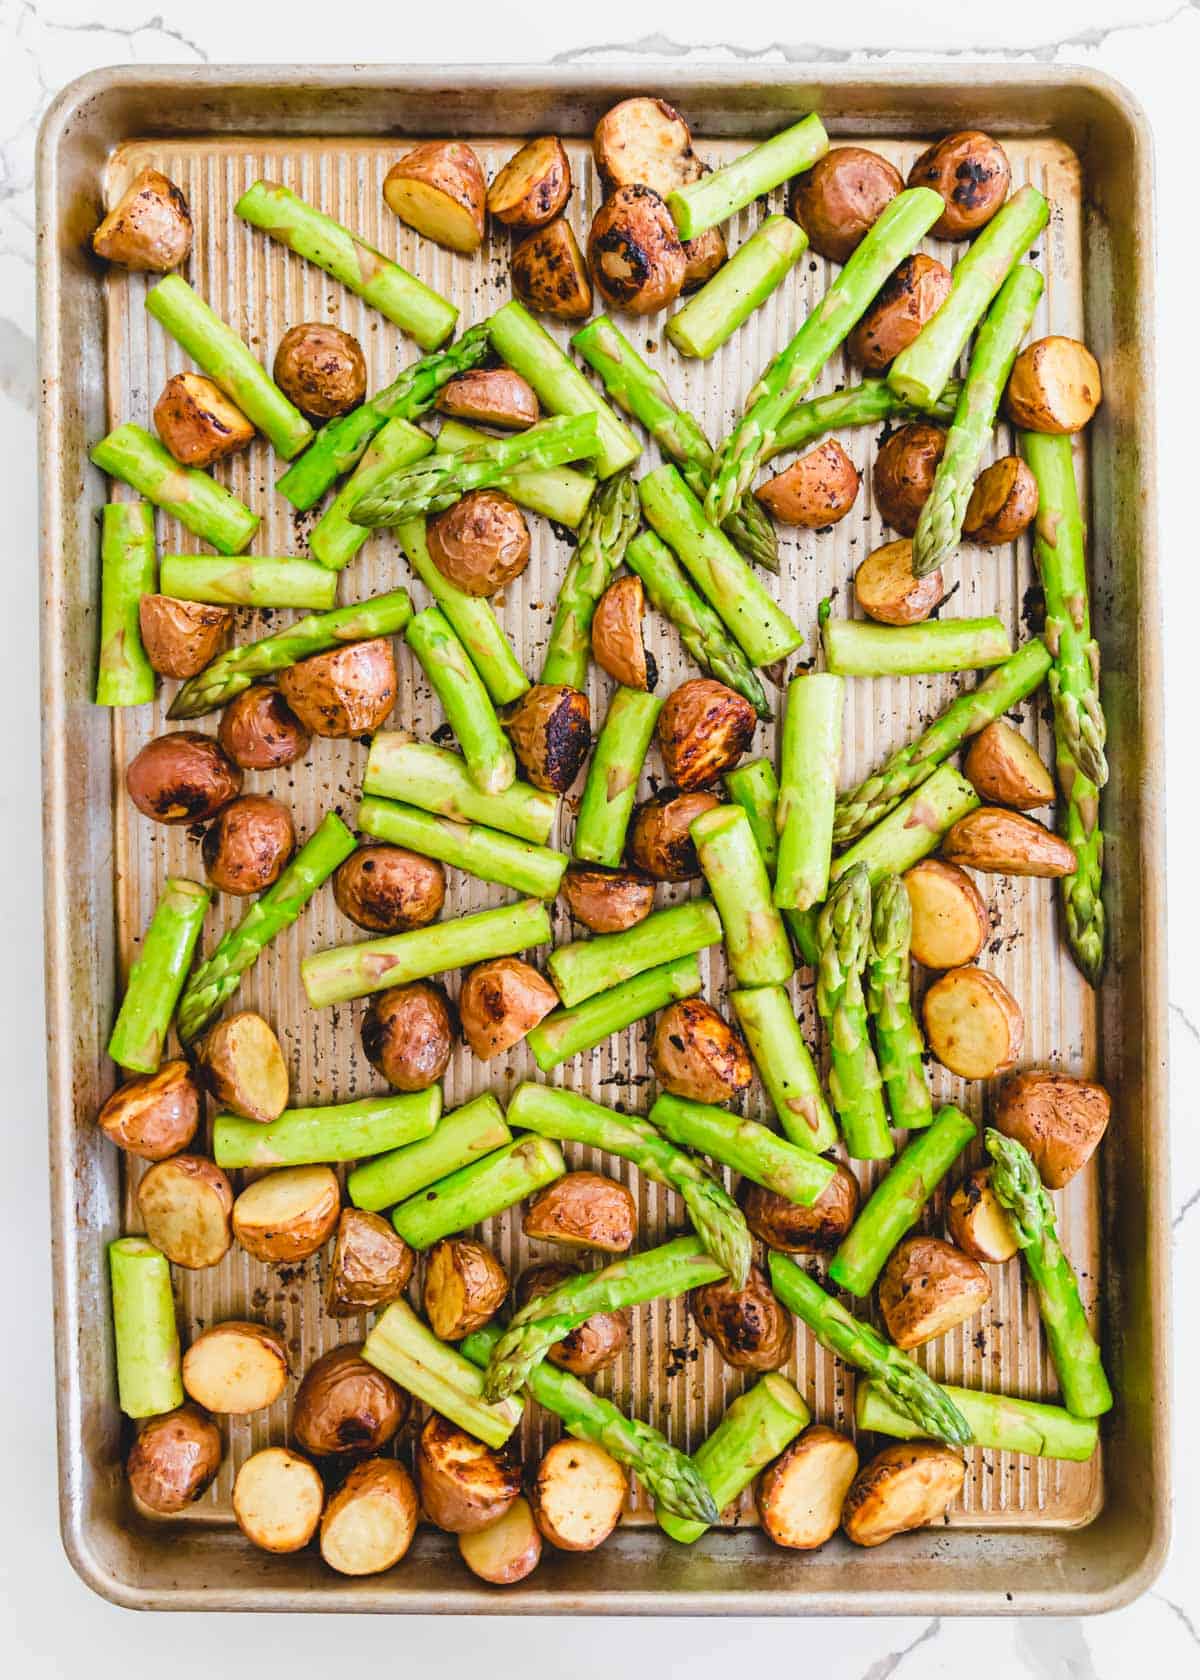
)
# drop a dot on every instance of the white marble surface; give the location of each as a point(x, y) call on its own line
point(49, 1624)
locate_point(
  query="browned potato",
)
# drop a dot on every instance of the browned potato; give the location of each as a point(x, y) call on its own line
point(971, 172)
point(198, 423)
point(617, 634)
point(491, 397)
point(549, 273)
point(464, 1485)
point(507, 1550)
point(594, 1345)
point(659, 843)
point(979, 1223)
point(344, 1405)
point(550, 728)
point(703, 729)
point(838, 201)
point(973, 1024)
point(438, 189)
point(904, 473)
point(247, 847)
point(149, 227)
point(1000, 842)
point(407, 1035)
point(583, 1210)
point(949, 919)
point(887, 591)
point(636, 259)
point(702, 257)
point(154, 1115)
point(815, 491)
point(185, 1204)
point(800, 1496)
point(791, 1229)
point(578, 1496)
point(371, 1264)
point(465, 1285)
point(243, 1067)
point(1003, 503)
point(646, 141)
point(1054, 386)
point(183, 777)
point(1060, 1121)
point(348, 691)
point(236, 1367)
point(696, 1054)
point(908, 1485)
point(174, 1460)
point(369, 1523)
point(927, 1287)
point(287, 1215)
point(533, 186)
point(607, 900)
point(260, 731)
point(480, 543)
point(181, 637)
point(1002, 767)
point(911, 295)
point(388, 889)
point(749, 1328)
point(277, 1500)
point(321, 368)
point(500, 1001)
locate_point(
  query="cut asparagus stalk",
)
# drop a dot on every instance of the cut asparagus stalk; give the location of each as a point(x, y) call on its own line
point(476, 1192)
point(867, 404)
point(607, 527)
point(842, 937)
point(205, 507)
point(785, 1066)
point(587, 966)
point(157, 976)
point(466, 1135)
point(718, 195)
point(149, 1379)
point(754, 787)
point(490, 760)
point(1000, 1421)
point(406, 1350)
point(124, 676)
point(898, 1042)
point(855, 648)
point(471, 617)
point(418, 773)
point(568, 1032)
point(912, 829)
point(755, 937)
point(343, 1132)
point(485, 853)
point(752, 1150)
point(254, 581)
point(810, 758)
point(612, 779)
point(738, 288)
point(562, 494)
point(335, 538)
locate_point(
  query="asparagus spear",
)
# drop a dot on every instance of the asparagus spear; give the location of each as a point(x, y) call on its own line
point(490, 760)
point(405, 1349)
point(939, 527)
point(335, 539)
point(858, 405)
point(843, 935)
point(612, 779)
point(754, 787)
point(124, 676)
point(478, 1191)
point(837, 1330)
point(995, 1420)
point(810, 755)
point(1079, 727)
point(485, 853)
point(568, 1032)
point(149, 1379)
point(738, 288)
point(157, 976)
point(471, 617)
point(895, 235)
point(607, 527)
point(755, 938)
point(405, 300)
point(233, 672)
point(785, 1066)
point(341, 1132)
point(229, 363)
point(919, 374)
point(587, 966)
point(219, 976)
point(756, 1428)
point(911, 829)
point(253, 581)
point(418, 773)
point(559, 493)
point(898, 1042)
point(1073, 1348)
point(750, 1149)
point(205, 507)
point(469, 1133)
point(855, 648)
point(717, 196)
point(716, 1217)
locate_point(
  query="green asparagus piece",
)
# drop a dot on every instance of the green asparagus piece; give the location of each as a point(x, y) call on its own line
point(896, 1202)
point(920, 373)
point(1073, 1348)
point(810, 756)
point(562, 494)
point(568, 1032)
point(335, 538)
point(418, 773)
point(253, 581)
point(405, 300)
point(342, 1132)
point(471, 617)
point(587, 966)
point(230, 674)
point(486, 853)
point(717, 196)
point(995, 1420)
point(405, 1349)
point(466, 1135)
point(867, 404)
point(350, 971)
point(750, 1149)
point(612, 779)
point(754, 787)
point(738, 288)
point(157, 976)
point(895, 235)
point(838, 1331)
point(755, 938)
point(843, 937)
point(856, 648)
point(229, 363)
point(607, 527)
point(756, 1428)
point(898, 1042)
point(1079, 727)
point(785, 1066)
point(716, 1217)
point(219, 976)
point(965, 716)
point(490, 760)
point(939, 527)
point(911, 829)
point(476, 1192)
point(149, 1380)
point(124, 676)
point(205, 507)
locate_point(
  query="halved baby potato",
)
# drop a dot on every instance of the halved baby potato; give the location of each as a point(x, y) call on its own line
point(500, 1002)
point(1060, 1120)
point(181, 637)
point(347, 691)
point(236, 1367)
point(949, 919)
point(1003, 503)
point(913, 294)
point(154, 1115)
point(887, 591)
point(578, 1496)
point(644, 141)
point(185, 1203)
point(243, 1067)
point(287, 1215)
point(973, 1024)
point(369, 1523)
point(703, 256)
point(507, 1550)
point(198, 423)
point(1054, 386)
point(972, 173)
point(1004, 769)
point(549, 273)
point(979, 1223)
point(634, 251)
point(749, 1327)
point(843, 195)
point(345, 1405)
point(792, 1229)
point(1000, 842)
point(800, 1496)
point(490, 397)
point(617, 644)
point(438, 189)
point(533, 186)
point(371, 1264)
point(927, 1287)
point(815, 491)
point(584, 1210)
point(465, 1486)
point(906, 1486)
point(149, 227)
point(174, 1460)
point(465, 1285)
point(277, 1500)
point(593, 1345)
point(904, 471)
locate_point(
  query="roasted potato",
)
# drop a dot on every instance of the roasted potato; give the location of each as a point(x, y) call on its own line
point(533, 186)
point(287, 1215)
point(388, 889)
point(277, 1500)
point(594, 1345)
point(911, 295)
point(838, 201)
point(607, 900)
point(908, 1485)
point(815, 491)
point(800, 1496)
point(260, 731)
point(371, 1264)
point(499, 1002)
point(465, 1286)
point(174, 1460)
point(617, 644)
point(702, 257)
point(348, 691)
point(438, 189)
point(1000, 842)
point(369, 1523)
point(183, 777)
point(490, 397)
point(979, 1223)
point(695, 1053)
point(1060, 1121)
point(181, 637)
point(792, 1229)
point(321, 368)
point(904, 473)
point(973, 1024)
point(927, 1287)
point(198, 423)
point(149, 227)
point(507, 1550)
point(185, 1203)
point(887, 591)
point(407, 1035)
point(1054, 386)
point(248, 846)
point(549, 274)
point(550, 728)
point(749, 1328)
point(344, 1405)
point(480, 543)
point(464, 1485)
point(236, 1367)
point(971, 172)
point(949, 919)
point(1003, 503)
point(154, 1115)
point(243, 1066)
point(646, 141)
point(583, 1210)
point(578, 1495)
point(703, 729)
point(659, 843)
point(1004, 769)
point(634, 251)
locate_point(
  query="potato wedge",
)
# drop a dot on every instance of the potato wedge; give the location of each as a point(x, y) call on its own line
point(465, 1285)
point(490, 397)
point(578, 1495)
point(371, 1264)
point(181, 637)
point(908, 1485)
point(595, 1344)
point(287, 1215)
point(1004, 769)
point(533, 186)
point(185, 1203)
point(1054, 386)
point(634, 252)
point(1003, 503)
point(927, 1287)
point(243, 1066)
point(617, 644)
point(607, 900)
point(277, 1500)
point(438, 189)
point(979, 1223)
point(464, 1485)
point(839, 200)
point(973, 1024)
point(507, 1550)
point(702, 257)
point(696, 1053)
point(645, 141)
point(149, 227)
point(815, 491)
point(198, 423)
point(1060, 1121)
point(348, 691)
point(910, 297)
point(344, 1405)
point(369, 1523)
point(793, 1229)
point(800, 1496)
point(887, 591)
point(174, 1460)
point(154, 1115)
point(236, 1367)
point(549, 274)
point(499, 1002)
point(749, 1328)
point(949, 919)
point(1000, 842)
point(904, 472)
point(583, 1210)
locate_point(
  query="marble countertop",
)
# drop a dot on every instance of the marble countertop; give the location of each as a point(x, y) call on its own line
point(50, 1624)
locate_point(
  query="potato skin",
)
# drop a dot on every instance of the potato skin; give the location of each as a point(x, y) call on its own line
point(1004, 769)
point(927, 1288)
point(659, 843)
point(198, 423)
point(155, 1115)
point(480, 543)
point(183, 777)
point(321, 368)
point(749, 1328)
point(971, 172)
point(533, 186)
point(465, 1286)
point(246, 849)
point(703, 730)
point(371, 1264)
point(388, 889)
point(997, 841)
point(800, 1496)
point(949, 919)
point(839, 200)
point(791, 1229)
point(499, 1002)
point(344, 1405)
point(490, 397)
point(617, 645)
point(904, 473)
point(407, 1035)
point(578, 1495)
point(887, 591)
point(583, 1210)
point(358, 1552)
point(188, 1236)
point(973, 1024)
point(978, 1223)
point(507, 1550)
point(1054, 386)
point(304, 1231)
point(149, 227)
point(696, 1054)
point(906, 1486)
point(606, 900)
point(1060, 1120)
point(814, 492)
point(703, 256)
point(174, 1460)
point(1003, 503)
point(910, 297)
point(181, 637)
point(260, 731)
point(595, 1344)
point(446, 179)
point(635, 255)
point(348, 691)
point(646, 141)
point(550, 275)
point(464, 1485)
point(551, 732)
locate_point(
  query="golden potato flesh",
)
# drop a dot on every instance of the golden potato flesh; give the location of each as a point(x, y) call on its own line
point(344, 1405)
point(792, 1229)
point(348, 691)
point(645, 141)
point(971, 172)
point(815, 491)
point(407, 1035)
point(703, 730)
point(1000, 842)
point(906, 1486)
point(549, 274)
point(489, 397)
point(149, 227)
point(949, 919)
point(369, 1522)
point(751, 1330)
point(236, 1367)
point(246, 850)
point(578, 1495)
point(1060, 1120)
point(973, 1024)
point(1054, 386)
point(185, 1203)
point(480, 543)
point(438, 189)
point(838, 201)
point(464, 1485)
point(583, 1210)
point(174, 1460)
point(904, 472)
point(260, 731)
point(659, 843)
point(507, 1550)
point(533, 186)
point(617, 644)
point(551, 732)
point(183, 777)
point(927, 1288)
point(634, 252)
point(979, 1223)
point(388, 889)
point(696, 1054)
point(277, 1500)
point(887, 591)
point(607, 900)
point(465, 1286)
point(321, 368)
point(499, 1002)
point(371, 1264)
point(287, 1215)
point(198, 423)
point(595, 1344)
point(1004, 769)
point(1003, 503)
point(800, 1496)
point(154, 1115)
point(181, 637)
point(243, 1067)
point(912, 294)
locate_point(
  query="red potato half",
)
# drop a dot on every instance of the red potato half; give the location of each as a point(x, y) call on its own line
point(174, 1460)
point(906, 1486)
point(236, 1367)
point(185, 1203)
point(578, 1495)
point(369, 1523)
point(438, 189)
point(800, 1496)
point(507, 1550)
point(973, 1024)
point(287, 1215)
point(277, 1500)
